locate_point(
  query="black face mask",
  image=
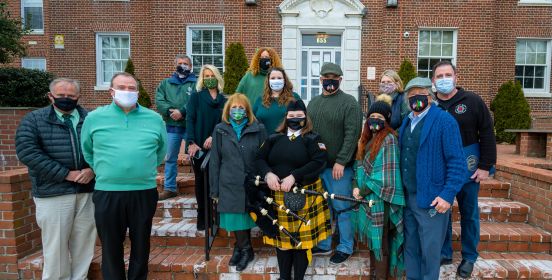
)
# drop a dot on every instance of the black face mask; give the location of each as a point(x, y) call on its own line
point(296, 123)
point(65, 103)
point(264, 63)
point(418, 103)
point(183, 70)
point(330, 85)
point(376, 124)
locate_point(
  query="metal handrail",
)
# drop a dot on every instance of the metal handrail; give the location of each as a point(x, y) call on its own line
point(211, 215)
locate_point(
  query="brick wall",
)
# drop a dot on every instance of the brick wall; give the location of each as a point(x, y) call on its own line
point(549, 149)
point(19, 233)
point(9, 120)
point(531, 144)
point(532, 186)
point(487, 33)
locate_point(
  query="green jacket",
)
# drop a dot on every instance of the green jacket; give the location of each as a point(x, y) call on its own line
point(172, 93)
point(252, 86)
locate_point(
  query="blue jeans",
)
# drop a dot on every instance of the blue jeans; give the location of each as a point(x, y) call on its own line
point(342, 186)
point(423, 239)
point(469, 224)
point(174, 141)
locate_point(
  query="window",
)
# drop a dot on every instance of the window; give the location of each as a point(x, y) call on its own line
point(533, 66)
point(37, 63)
point(434, 46)
point(205, 45)
point(535, 2)
point(32, 15)
point(112, 53)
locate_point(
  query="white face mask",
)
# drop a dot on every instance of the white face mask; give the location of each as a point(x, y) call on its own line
point(276, 85)
point(124, 98)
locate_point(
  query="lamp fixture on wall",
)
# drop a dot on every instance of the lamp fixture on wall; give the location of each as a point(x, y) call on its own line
point(392, 3)
point(250, 2)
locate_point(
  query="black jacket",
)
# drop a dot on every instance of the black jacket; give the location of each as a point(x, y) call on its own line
point(476, 124)
point(44, 144)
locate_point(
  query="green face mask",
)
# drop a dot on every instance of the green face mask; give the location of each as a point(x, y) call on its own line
point(210, 83)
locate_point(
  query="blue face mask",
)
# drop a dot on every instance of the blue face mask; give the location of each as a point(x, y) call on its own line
point(237, 114)
point(445, 85)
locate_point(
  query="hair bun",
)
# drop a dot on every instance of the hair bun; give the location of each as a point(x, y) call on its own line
point(385, 98)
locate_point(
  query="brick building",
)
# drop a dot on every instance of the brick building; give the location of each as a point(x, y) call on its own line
point(490, 41)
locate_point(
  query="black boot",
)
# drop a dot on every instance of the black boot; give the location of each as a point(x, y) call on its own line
point(236, 256)
point(247, 256)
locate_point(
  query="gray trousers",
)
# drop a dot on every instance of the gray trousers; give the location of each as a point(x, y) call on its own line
point(424, 236)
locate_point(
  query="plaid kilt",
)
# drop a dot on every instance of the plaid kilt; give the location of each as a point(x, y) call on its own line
point(316, 210)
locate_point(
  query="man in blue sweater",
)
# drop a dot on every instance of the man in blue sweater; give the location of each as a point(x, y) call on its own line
point(433, 171)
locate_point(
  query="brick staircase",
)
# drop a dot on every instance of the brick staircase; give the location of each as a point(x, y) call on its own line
point(510, 247)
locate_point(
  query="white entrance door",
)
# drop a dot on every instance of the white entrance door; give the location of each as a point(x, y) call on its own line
point(314, 54)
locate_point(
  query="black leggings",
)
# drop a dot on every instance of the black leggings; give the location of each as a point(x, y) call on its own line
point(292, 258)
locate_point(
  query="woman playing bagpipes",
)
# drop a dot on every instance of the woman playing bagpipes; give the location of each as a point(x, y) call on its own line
point(294, 157)
point(377, 178)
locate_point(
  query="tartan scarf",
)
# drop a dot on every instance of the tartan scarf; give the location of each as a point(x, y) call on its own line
point(383, 178)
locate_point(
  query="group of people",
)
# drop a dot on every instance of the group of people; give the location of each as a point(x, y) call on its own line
point(271, 159)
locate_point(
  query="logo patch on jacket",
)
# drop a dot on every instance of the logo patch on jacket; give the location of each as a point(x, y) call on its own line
point(322, 146)
point(461, 109)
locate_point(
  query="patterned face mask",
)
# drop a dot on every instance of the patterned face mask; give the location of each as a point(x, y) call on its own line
point(418, 103)
point(237, 114)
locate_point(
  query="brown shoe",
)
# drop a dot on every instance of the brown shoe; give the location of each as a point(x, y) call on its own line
point(166, 194)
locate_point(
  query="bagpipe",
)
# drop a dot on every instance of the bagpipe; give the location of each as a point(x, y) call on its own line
point(262, 207)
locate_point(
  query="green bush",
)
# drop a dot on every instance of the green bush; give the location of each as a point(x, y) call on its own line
point(407, 71)
point(20, 87)
point(511, 111)
point(235, 67)
point(143, 97)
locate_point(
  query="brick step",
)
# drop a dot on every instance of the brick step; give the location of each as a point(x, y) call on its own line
point(189, 263)
point(184, 181)
point(494, 188)
point(494, 237)
point(491, 209)
point(497, 210)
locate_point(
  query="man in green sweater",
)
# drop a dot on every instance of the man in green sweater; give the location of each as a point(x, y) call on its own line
point(171, 99)
point(124, 143)
point(337, 117)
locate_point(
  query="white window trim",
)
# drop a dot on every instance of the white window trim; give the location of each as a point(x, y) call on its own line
point(34, 31)
point(535, 3)
point(206, 26)
point(98, 85)
point(35, 58)
point(547, 73)
point(454, 42)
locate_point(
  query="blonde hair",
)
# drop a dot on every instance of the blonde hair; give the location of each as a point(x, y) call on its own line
point(274, 60)
point(199, 84)
point(395, 77)
point(237, 98)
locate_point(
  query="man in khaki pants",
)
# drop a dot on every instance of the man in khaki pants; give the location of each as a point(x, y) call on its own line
point(48, 142)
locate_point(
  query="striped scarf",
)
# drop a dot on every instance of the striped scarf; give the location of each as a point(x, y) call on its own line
point(382, 177)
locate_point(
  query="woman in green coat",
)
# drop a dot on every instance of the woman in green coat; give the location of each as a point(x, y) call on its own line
point(270, 108)
point(252, 83)
point(378, 178)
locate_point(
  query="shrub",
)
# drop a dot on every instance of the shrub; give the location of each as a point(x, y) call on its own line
point(235, 67)
point(20, 87)
point(511, 111)
point(407, 71)
point(143, 97)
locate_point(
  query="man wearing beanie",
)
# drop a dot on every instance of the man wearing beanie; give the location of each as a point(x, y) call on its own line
point(433, 170)
point(337, 117)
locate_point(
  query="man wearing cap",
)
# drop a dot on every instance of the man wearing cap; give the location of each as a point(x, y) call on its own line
point(432, 171)
point(337, 117)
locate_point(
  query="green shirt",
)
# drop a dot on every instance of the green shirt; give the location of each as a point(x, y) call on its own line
point(75, 117)
point(252, 86)
point(338, 120)
point(272, 116)
point(124, 150)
